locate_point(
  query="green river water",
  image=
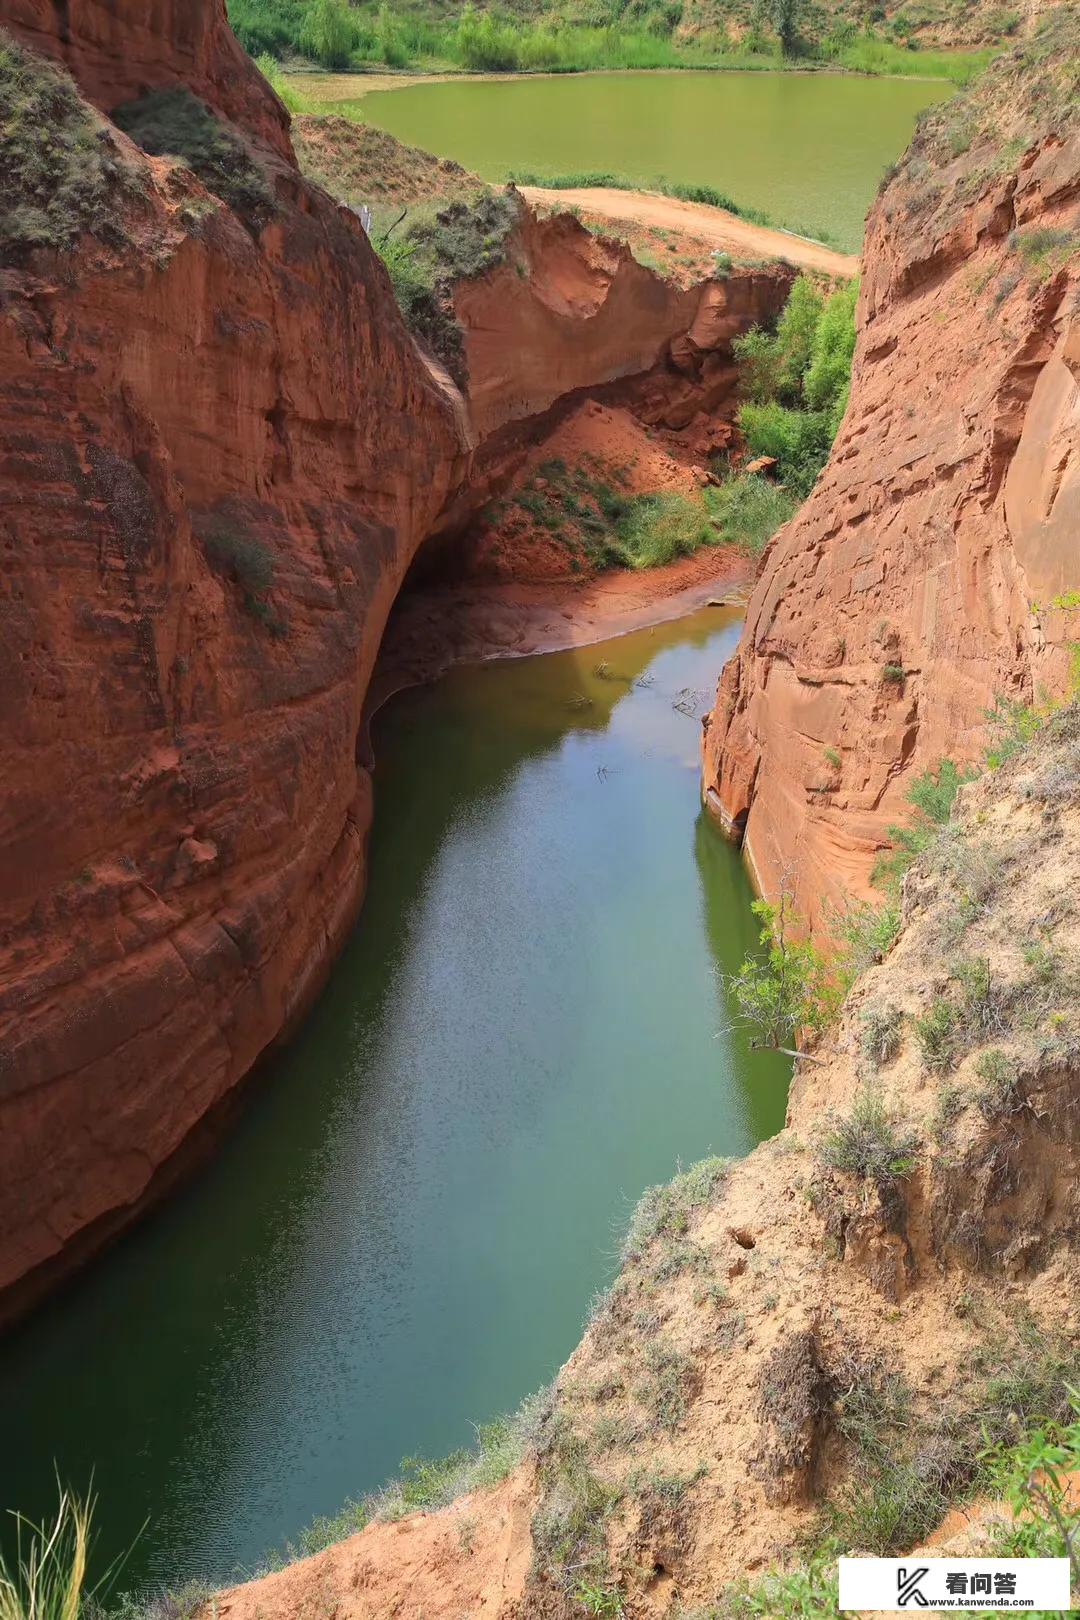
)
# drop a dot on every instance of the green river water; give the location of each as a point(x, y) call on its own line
point(402, 1234)
point(807, 148)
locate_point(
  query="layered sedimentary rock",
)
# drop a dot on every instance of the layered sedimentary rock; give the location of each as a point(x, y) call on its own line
point(935, 565)
point(219, 449)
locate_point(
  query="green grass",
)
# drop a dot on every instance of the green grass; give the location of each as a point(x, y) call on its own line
point(61, 174)
point(656, 529)
point(46, 1579)
point(174, 123)
point(749, 509)
point(565, 40)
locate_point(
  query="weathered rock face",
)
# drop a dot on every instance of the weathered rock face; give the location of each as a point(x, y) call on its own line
point(569, 310)
point(116, 49)
point(183, 821)
point(920, 578)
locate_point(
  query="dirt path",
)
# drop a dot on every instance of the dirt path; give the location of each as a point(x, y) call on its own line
point(714, 225)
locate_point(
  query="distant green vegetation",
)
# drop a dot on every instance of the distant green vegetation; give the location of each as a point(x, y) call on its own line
point(606, 34)
point(797, 380)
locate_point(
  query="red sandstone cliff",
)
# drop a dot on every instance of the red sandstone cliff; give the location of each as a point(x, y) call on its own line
point(183, 822)
point(949, 506)
point(951, 502)
point(115, 49)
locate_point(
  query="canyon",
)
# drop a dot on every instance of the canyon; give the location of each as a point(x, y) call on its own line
point(221, 452)
point(223, 456)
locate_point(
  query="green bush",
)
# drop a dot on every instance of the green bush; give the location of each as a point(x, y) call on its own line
point(749, 509)
point(788, 989)
point(872, 1142)
point(329, 33)
point(827, 380)
point(658, 528)
point(799, 440)
point(797, 335)
point(174, 123)
point(931, 796)
point(61, 174)
point(796, 380)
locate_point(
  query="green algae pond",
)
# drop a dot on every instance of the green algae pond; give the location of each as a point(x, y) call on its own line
point(808, 149)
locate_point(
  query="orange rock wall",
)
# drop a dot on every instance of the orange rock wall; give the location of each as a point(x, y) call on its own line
point(182, 811)
point(950, 504)
point(116, 49)
point(569, 310)
point(182, 820)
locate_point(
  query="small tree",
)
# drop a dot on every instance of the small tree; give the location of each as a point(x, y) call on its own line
point(790, 989)
point(783, 17)
point(330, 34)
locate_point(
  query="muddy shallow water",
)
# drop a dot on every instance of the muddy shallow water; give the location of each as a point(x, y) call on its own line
point(402, 1234)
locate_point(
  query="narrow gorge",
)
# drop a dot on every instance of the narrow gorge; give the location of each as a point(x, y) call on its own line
point(261, 483)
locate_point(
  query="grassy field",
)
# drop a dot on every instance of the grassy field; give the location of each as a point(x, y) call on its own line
point(336, 35)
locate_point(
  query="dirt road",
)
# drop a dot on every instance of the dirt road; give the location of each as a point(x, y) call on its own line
point(714, 225)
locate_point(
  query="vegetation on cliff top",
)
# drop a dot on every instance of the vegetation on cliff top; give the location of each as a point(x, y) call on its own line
point(579, 35)
point(61, 174)
point(174, 123)
point(436, 249)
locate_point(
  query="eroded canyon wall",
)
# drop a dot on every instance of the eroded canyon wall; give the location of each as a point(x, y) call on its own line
point(219, 449)
point(936, 563)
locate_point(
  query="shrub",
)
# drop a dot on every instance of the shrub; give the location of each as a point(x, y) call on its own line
point(760, 365)
point(799, 440)
point(931, 796)
point(665, 1211)
point(864, 934)
point(938, 1035)
point(1043, 249)
point(791, 989)
point(797, 334)
point(658, 528)
point(61, 173)
point(247, 561)
point(329, 34)
point(872, 1142)
point(881, 1034)
point(1011, 726)
point(998, 1093)
point(174, 123)
point(828, 375)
